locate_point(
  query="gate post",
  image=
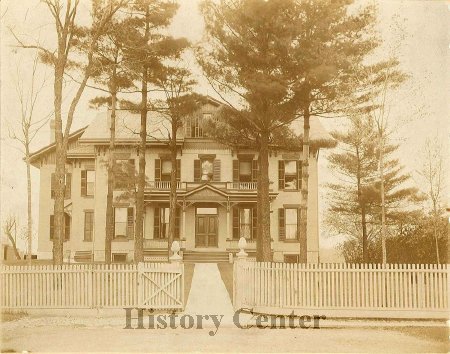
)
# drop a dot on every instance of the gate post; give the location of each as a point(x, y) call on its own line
point(175, 258)
point(239, 276)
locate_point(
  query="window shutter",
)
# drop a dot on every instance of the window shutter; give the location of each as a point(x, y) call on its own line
point(114, 222)
point(88, 225)
point(197, 171)
point(281, 225)
point(53, 186)
point(156, 221)
point(177, 222)
point(66, 227)
point(130, 222)
point(299, 216)
point(67, 191)
point(216, 170)
point(299, 175)
point(235, 170)
point(52, 226)
point(280, 174)
point(236, 223)
point(83, 183)
point(254, 223)
point(158, 170)
point(178, 170)
point(254, 170)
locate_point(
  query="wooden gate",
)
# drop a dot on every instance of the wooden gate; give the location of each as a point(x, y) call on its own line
point(160, 286)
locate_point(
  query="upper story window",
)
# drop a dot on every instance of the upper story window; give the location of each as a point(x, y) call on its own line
point(194, 125)
point(124, 173)
point(68, 183)
point(289, 175)
point(163, 169)
point(245, 170)
point(207, 169)
point(87, 182)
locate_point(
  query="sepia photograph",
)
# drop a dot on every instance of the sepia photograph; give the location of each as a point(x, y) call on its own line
point(221, 176)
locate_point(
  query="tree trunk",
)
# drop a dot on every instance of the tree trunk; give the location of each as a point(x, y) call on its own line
point(383, 204)
point(173, 187)
point(362, 206)
point(29, 215)
point(58, 212)
point(436, 238)
point(109, 197)
point(305, 180)
point(139, 236)
point(263, 245)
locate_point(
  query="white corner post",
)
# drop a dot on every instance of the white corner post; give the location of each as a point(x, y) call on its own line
point(238, 278)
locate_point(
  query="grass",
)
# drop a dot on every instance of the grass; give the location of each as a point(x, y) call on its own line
point(226, 273)
point(188, 274)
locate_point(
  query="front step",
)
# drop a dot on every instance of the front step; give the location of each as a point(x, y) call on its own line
point(205, 257)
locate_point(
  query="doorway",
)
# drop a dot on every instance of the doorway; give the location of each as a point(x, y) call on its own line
point(206, 227)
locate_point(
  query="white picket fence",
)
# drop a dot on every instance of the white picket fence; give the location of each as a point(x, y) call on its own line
point(150, 285)
point(347, 290)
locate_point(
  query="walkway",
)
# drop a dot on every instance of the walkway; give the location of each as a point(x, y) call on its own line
point(208, 295)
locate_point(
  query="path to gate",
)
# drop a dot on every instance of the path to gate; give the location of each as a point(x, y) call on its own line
point(208, 295)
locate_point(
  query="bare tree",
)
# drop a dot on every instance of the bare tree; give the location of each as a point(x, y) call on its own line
point(433, 174)
point(71, 37)
point(8, 226)
point(26, 131)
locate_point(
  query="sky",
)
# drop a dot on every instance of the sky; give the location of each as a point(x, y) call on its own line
point(423, 53)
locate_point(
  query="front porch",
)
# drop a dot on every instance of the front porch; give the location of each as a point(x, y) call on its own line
point(211, 218)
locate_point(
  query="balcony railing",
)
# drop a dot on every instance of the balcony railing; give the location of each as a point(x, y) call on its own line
point(243, 185)
point(165, 185)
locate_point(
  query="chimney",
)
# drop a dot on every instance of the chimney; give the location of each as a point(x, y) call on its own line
point(52, 131)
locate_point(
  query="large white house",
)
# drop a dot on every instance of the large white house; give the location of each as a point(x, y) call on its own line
point(216, 191)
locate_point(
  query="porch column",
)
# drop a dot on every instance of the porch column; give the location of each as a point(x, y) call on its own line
point(228, 221)
point(184, 221)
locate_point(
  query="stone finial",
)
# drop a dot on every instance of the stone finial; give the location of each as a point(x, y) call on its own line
point(175, 249)
point(242, 244)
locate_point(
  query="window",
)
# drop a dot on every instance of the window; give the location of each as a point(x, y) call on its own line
point(124, 174)
point(289, 175)
point(288, 224)
point(207, 169)
point(291, 258)
point(87, 182)
point(123, 222)
point(163, 169)
point(244, 222)
point(245, 170)
point(291, 224)
point(194, 125)
point(66, 226)
point(88, 225)
point(161, 223)
point(119, 257)
point(206, 211)
point(68, 183)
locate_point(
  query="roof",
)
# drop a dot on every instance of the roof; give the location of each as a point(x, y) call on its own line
point(37, 154)
point(127, 128)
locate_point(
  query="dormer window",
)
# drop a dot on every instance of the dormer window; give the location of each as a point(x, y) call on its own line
point(194, 125)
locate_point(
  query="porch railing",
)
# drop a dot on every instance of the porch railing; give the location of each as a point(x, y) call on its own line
point(165, 185)
point(232, 244)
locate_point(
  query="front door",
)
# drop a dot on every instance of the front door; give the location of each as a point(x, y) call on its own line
point(206, 231)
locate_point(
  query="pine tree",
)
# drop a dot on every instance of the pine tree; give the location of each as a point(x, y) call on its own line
point(355, 202)
point(110, 72)
point(280, 60)
point(146, 48)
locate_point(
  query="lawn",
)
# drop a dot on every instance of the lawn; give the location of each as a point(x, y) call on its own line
point(226, 272)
